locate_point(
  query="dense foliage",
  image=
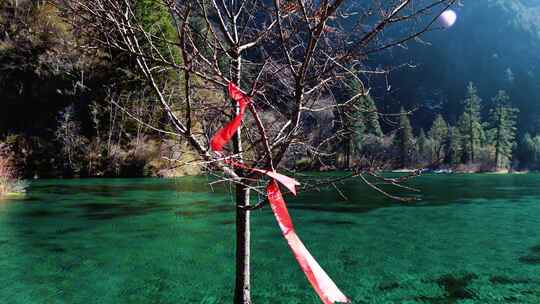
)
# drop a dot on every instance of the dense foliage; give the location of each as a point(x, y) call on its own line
point(62, 102)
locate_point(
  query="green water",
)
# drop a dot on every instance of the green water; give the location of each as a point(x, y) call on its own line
point(472, 239)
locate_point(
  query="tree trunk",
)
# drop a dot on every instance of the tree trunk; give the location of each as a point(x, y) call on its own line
point(346, 163)
point(498, 144)
point(242, 291)
point(472, 136)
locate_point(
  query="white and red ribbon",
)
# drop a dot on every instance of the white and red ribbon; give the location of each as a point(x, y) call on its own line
point(327, 290)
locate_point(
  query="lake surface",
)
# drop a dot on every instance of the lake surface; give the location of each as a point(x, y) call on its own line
point(472, 239)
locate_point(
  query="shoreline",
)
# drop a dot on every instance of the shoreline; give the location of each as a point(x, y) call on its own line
point(397, 171)
point(450, 171)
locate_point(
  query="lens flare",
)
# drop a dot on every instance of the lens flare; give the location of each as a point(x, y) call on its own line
point(448, 18)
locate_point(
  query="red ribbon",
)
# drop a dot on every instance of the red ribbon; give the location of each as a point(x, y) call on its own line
point(222, 137)
point(321, 282)
point(327, 290)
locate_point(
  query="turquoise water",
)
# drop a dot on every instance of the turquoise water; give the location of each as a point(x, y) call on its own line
point(472, 239)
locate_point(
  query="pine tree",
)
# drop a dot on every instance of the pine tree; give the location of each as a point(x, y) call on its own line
point(524, 149)
point(470, 125)
point(370, 116)
point(503, 128)
point(530, 151)
point(157, 21)
point(535, 151)
point(439, 135)
point(454, 154)
point(360, 118)
point(404, 139)
point(351, 123)
point(423, 148)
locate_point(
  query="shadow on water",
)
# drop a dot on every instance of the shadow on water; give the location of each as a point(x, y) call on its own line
point(43, 213)
point(362, 199)
point(109, 211)
point(201, 209)
point(63, 232)
point(61, 216)
point(51, 247)
point(93, 210)
point(503, 280)
point(533, 257)
point(460, 288)
point(112, 187)
point(456, 289)
point(442, 190)
point(333, 222)
point(201, 213)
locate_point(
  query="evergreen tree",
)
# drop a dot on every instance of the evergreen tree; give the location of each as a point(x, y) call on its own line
point(423, 148)
point(370, 116)
point(360, 119)
point(422, 138)
point(530, 151)
point(404, 139)
point(352, 124)
point(454, 154)
point(524, 150)
point(503, 128)
point(157, 21)
point(470, 125)
point(439, 135)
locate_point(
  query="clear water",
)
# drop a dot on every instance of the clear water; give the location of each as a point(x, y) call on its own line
point(472, 239)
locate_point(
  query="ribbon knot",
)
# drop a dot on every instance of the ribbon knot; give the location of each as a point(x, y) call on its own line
point(325, 288)
point(224, 135)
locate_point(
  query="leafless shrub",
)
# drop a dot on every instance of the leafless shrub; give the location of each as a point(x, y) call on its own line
point(8, 175)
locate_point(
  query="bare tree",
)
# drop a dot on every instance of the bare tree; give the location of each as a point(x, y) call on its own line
point(292, 59)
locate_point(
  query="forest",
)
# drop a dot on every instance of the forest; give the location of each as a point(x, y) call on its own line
point(65, 101)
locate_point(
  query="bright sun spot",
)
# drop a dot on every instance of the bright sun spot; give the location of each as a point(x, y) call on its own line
point(448, 18)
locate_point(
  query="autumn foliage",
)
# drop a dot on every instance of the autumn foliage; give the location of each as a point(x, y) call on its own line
point(5, 176)
point(7, 173)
